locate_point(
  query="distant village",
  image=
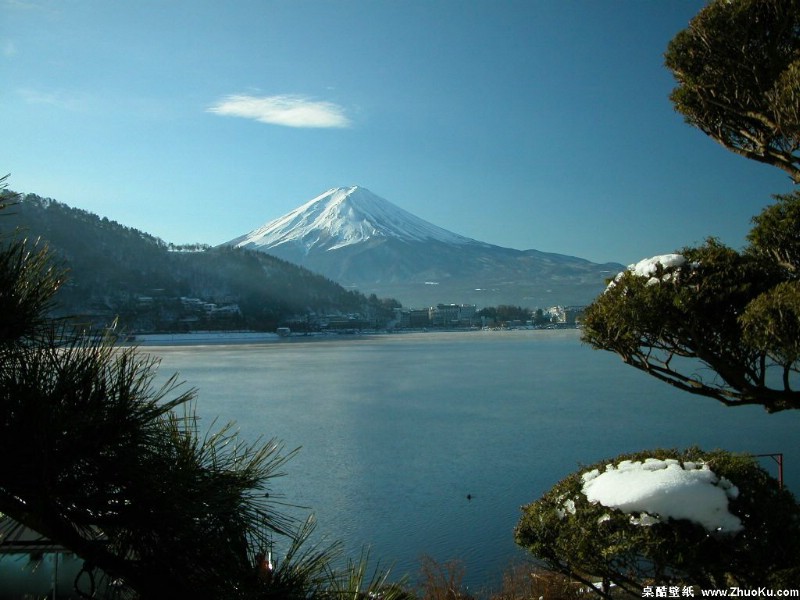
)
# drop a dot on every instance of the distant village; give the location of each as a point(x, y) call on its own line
point(193, 313)
point(468, 315)
point(446, 316)
point(152, 314)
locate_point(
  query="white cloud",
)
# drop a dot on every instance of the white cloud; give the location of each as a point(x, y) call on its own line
point(286, 110)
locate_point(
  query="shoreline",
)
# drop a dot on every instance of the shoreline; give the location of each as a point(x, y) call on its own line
point(208, 338)
point(200, 338)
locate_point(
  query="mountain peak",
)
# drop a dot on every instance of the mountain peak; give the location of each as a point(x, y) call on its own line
point(341, 217)
point(360, 240)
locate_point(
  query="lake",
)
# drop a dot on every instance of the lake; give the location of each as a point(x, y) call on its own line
point(429, 443)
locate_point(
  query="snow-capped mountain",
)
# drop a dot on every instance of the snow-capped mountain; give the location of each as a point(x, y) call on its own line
point(363, 241)
point(342, 217)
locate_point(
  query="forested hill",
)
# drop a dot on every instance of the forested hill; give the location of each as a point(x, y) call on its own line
point(119, 272)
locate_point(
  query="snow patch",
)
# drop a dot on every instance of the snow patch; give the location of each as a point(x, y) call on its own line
point(568, 506)
point(654, 490)
point(650, 267)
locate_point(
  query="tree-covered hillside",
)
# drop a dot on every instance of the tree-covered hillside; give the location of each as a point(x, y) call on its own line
point(115, 271)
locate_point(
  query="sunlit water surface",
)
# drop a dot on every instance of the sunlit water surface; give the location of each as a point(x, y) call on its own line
point(429, 443)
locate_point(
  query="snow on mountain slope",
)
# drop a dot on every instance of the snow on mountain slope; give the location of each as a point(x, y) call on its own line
point(364, 242)
point(342, 217)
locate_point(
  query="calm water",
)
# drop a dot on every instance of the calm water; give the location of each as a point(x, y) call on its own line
point(397, 430)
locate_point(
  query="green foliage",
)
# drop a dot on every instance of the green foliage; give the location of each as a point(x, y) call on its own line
point(738, 71)
point(771, 325)
point(28, 282)
point(726, 325)
point(357, 581)
point(591, 542)
point(722, 324)
point(771, 322)
point(690, 321)
point(99, 462)
point(776, 233)
point(27, 285)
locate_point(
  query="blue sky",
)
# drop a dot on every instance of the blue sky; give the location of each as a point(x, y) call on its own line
point(539, 124)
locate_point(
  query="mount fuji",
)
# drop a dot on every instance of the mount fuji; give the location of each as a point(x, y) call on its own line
point(363, 241)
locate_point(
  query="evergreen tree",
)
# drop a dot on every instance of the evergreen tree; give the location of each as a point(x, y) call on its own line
point(712, 309)
point(738, 71)
point(709, 320)
point(746, 535)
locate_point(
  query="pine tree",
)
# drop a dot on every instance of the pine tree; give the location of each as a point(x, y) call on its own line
point(713, 309)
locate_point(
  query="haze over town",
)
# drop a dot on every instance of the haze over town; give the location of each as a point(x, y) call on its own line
point(525, 124)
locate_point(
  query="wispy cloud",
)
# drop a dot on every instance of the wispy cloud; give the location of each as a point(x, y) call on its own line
point(286, 110)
